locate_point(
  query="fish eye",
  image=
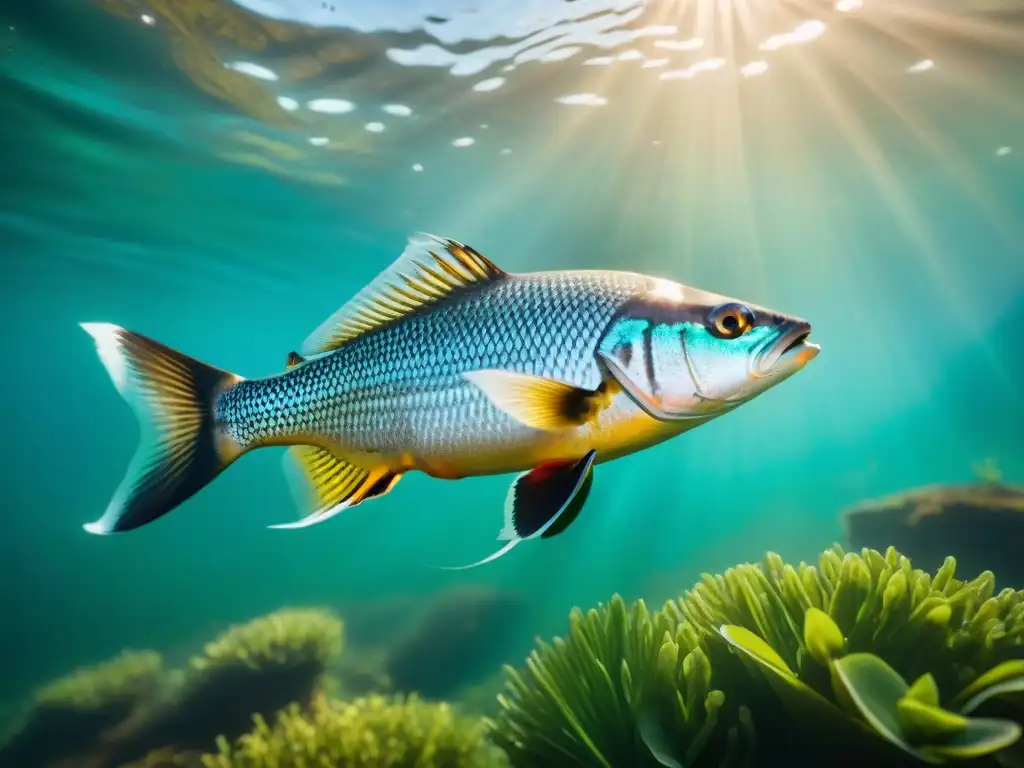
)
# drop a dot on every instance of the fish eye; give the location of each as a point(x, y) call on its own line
point(730, 321)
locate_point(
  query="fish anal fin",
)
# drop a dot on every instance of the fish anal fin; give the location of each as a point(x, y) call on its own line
point(294, 358)
point(383, 486)
point(430, 269)
point(546, 500)
point(331, 484)
point(539, 402)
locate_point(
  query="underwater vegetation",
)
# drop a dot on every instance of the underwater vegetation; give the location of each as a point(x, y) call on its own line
point(80, 707)
point(373, 731)
point(857, 659)
point(980, 524)
point(124, 709)
point(255, 668)
point(860, 659)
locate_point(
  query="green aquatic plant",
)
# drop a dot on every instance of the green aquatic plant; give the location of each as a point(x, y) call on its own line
point(258, 667)
point(918, 623)
point(626, 687)
point(168, 757)
point(255, 668)
point(118, 683)
point(859, 660)
point(481, 698)
point(863, 686)
point(839, 641)
point(70, 715)
point(287, 638)
point(370, 732)
point(988, 471)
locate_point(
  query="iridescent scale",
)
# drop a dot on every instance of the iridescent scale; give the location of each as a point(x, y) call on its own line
point(399, 389)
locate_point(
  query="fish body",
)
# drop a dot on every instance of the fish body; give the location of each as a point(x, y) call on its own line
point(448, 365)
point(401, 396)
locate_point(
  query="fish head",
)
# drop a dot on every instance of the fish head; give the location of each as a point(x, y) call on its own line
point(683, 353)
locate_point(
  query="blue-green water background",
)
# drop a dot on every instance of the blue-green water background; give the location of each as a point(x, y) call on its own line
point(837, 186)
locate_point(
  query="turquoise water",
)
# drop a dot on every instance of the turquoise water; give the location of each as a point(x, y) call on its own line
point(865, 172)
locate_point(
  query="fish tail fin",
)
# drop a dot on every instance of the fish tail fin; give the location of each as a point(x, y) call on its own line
point(180, 448)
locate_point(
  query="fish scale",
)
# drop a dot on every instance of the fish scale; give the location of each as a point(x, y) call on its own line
point(400, 388)
point(447, 364)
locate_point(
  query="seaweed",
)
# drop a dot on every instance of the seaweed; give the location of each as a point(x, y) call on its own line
point(861, 659)
point(71, 715)
point(253, 668)
point(857, 659)
point(370, 732)
point(627, 687)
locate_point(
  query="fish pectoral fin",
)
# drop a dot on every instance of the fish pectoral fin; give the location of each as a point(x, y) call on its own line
point(542, 503)
point(330, 484)
point(538, 402)
point(294, 358)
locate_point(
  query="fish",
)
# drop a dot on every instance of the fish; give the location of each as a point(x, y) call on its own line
point(448, 365)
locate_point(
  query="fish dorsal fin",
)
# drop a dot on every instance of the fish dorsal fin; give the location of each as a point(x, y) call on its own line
point(429, 270)
point(294, 358)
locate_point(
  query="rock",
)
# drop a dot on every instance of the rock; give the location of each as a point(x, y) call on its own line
point(980, 524)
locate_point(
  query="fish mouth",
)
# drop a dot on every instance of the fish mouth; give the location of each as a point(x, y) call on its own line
point(791, 349)
point(797, 341)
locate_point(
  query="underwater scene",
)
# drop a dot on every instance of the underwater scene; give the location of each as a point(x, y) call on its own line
point(527, 383)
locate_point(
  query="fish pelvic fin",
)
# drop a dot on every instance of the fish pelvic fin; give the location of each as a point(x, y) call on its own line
point(542, 403)
point(541, 503)
point(431, 270)
point(325, 484)
point(546, 500)
point(181, 449)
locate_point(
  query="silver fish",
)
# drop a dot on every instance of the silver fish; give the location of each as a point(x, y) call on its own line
point(449, 365)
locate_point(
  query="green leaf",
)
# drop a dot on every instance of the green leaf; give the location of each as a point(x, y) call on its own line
point(925, 691)
point(653, 735)
point(885, 701)
point(1007, 677)
point(924, 724)
point(752, 645)
point(875, 689)
point(822, 636)
point(981, 737)
point(894, 598)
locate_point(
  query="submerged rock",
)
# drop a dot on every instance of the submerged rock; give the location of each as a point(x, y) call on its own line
point(73, 715)
point(980, 524)
point(256, 668)
point(446, 642)
point(458, 639)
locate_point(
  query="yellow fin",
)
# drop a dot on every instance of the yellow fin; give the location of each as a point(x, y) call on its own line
point(429, 270)
point(294, 358)
point(538, 402)
point(333, 483)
